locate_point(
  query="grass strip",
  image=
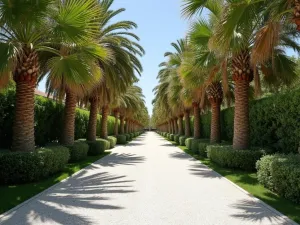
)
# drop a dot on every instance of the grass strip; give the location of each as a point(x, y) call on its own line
point(13, 195)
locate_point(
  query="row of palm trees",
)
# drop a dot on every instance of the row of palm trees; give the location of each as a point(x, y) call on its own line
point(229, 44)
point(82, 54)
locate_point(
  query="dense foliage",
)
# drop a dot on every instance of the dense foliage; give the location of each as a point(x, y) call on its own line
point(280, 173)
point(20, 167)
point(226, 156)
point(48, 120)
point(274, 122)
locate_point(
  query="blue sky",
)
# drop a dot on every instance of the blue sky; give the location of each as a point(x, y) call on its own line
point(160, 23)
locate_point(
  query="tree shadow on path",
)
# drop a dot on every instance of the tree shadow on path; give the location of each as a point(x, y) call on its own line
point(117, 159)
point(67, 202)
point(255, 211)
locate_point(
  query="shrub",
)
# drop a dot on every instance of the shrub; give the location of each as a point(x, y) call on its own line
point(202, 147)
point(281, 173)
point(227, 157)
point(131, 135)
point(182, 140)
point(128, 137)
point(121, 139)
point(188, 143)
point(78, 151)
point(171, 137)
point(97, 147)
point(113, 141)
point(176, 138)
point(22, 167)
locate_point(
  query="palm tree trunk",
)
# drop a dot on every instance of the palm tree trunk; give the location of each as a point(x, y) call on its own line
point(25, 76)
point(23, 128)
point(297, 13)
point(69, 119)
point(176, 125)
point(104, 118)
point(116, 123)
point(180, 125)
point(122, 124)
point(127, 126)
point(169, 127)
point(187, 123)
point(242, 76)
point(215, 126)
point(241, 115)
point(92, 126)
point(196, 121)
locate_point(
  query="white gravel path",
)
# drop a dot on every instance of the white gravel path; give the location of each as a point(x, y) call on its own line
point(147, 182)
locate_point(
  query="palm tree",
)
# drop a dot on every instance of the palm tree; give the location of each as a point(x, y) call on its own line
point(119, 71)
point(233, 37)
point(28, 30)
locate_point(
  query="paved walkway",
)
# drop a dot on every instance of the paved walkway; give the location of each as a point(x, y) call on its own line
point(148, 182)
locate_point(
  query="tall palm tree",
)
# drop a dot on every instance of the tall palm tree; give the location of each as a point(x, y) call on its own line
point(233, 37)
point(31, 28)
point(118, 72)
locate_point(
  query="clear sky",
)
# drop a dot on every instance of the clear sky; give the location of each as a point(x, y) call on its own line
point(159, 24)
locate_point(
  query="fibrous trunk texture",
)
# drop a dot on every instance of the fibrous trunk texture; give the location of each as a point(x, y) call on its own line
point(69, 119)
point(242, 76)
point(180, 125)
point(127, 126)
point(92, 126)
point(25, 76)
point(187, 123)
point(104, 118)
point(296, 18)
point(196, 121)
point(215, 96)
point(122, 124)
point(176, 125)
point(116, 123)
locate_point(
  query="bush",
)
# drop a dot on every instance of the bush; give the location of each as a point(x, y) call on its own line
point(22, 167)
point(188, 143)
point(171, 137)
point(240, 159)
point(78, 151)
point(97, 147)
point(176, 138)
point(182, 140)
point(113, 141)
point(280, 173)
point(128, 137)
point(121, 139)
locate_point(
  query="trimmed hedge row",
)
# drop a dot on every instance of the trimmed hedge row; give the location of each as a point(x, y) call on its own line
point(281, 173)
point(48, 120)
point(21, 167)
point(226, 156)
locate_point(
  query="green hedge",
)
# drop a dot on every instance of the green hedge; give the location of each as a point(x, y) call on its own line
point(128, 137)
point(188, 143)
point(121, 139)
point(274, 122)
point(78, 151)
point(281, 173)
point(48, 120)
point(21, 167)
point(225, 156)
point(176, 138)
point(113, 141)
point(172, 137)
point(97, 147)
point(182, 140)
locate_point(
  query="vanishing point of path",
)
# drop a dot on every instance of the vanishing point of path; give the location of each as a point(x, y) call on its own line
point(148, 182)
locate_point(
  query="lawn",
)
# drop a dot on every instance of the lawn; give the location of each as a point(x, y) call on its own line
point(12, 196)
point(248, 181)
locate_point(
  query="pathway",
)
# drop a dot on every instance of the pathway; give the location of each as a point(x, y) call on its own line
point(148, 182)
